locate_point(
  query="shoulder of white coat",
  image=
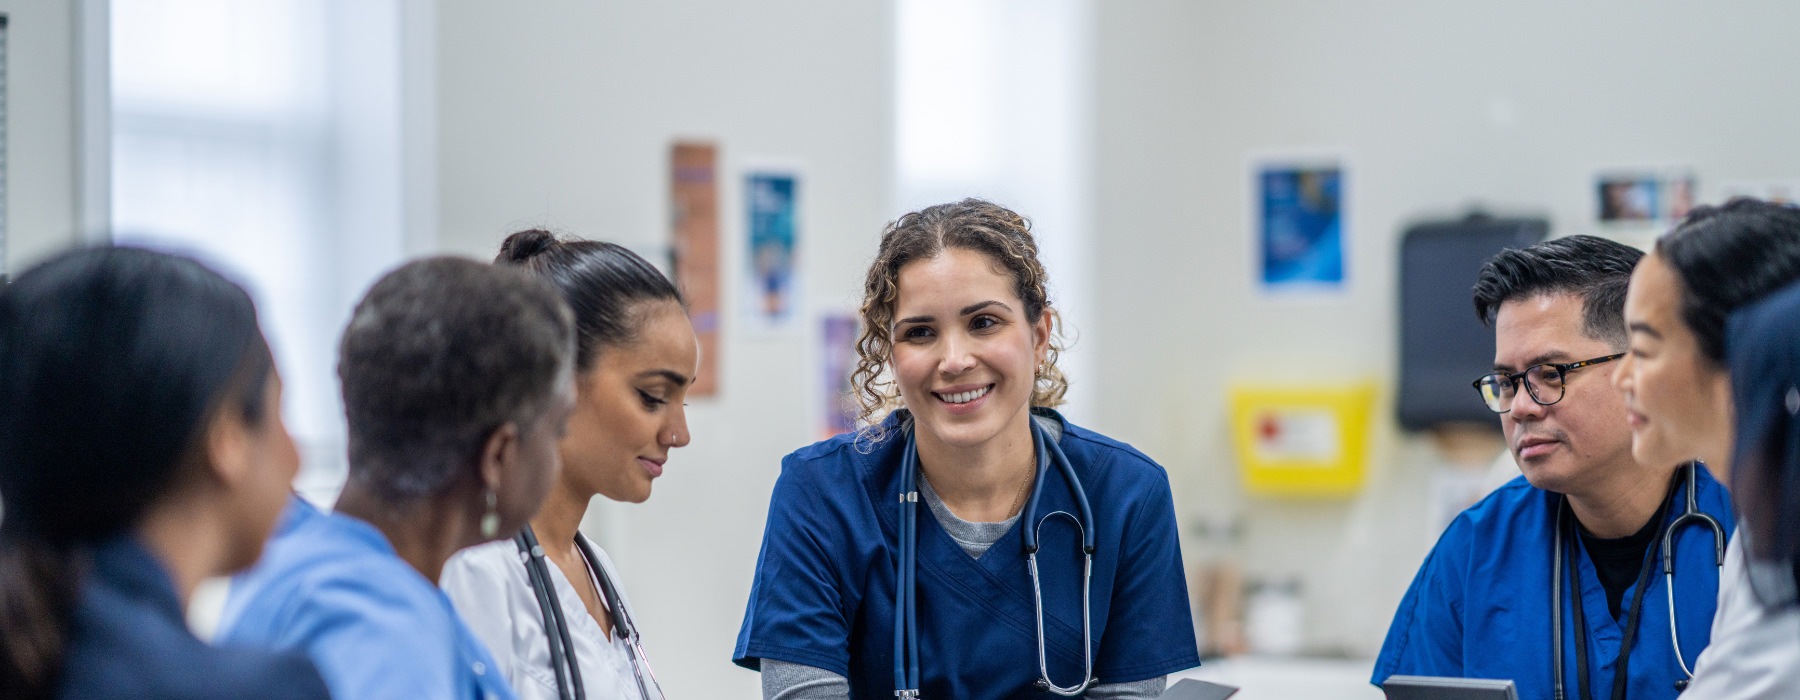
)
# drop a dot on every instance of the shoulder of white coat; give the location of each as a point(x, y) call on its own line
point(483, 566)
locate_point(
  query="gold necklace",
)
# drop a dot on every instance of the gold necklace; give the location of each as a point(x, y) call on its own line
point(1019, 500)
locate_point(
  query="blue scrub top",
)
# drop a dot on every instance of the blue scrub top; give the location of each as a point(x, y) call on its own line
point(1480, 605)
point(824, 589)
point(333, 587)
point(129, 639)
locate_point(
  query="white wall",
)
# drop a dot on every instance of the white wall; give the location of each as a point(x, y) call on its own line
point(561, 114)
point(993, 101)
point(1440, 105)
point(40, 129)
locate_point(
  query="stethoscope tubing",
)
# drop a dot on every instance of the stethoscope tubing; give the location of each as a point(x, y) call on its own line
point(906, 631)
point(1691, 515)
point(624, 627)
point(1035, 527)
point(556, 627)
point(1087, 636)
point(1556, 584)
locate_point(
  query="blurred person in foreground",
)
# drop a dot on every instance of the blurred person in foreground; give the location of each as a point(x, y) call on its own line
point(141, 451)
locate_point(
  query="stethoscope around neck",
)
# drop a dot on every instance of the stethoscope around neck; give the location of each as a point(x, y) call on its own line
point(556, 627)
point(1690, 515)
point(906, 617)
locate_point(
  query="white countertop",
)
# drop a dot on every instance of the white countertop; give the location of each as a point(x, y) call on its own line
point(1289, 677)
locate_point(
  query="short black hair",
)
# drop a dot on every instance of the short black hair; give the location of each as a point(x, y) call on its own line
point(604, 284)
point(1727, 257)
point(1593, 268)
point(439, 354)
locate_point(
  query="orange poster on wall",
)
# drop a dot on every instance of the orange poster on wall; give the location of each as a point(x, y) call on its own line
point(694, 200)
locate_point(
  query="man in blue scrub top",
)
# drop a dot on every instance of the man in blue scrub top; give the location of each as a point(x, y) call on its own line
point(1481, 605)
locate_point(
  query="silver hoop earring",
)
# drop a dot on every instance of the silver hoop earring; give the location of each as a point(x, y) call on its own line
point(490, 523)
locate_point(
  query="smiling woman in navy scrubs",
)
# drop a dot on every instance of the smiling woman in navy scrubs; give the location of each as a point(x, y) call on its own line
point(959, 331)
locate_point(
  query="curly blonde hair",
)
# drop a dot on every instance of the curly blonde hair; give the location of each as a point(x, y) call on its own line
point(971, 224)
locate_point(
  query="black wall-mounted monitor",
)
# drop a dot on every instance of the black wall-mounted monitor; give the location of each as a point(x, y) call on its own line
point(1443, 346)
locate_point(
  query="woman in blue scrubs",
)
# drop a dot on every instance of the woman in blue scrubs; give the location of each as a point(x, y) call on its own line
point(141, 450)
point(959, 347)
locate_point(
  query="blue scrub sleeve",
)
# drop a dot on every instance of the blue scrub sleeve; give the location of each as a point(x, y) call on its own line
point(797, 612)
point(1425, 638)
point(368, 644)
point(1150, 630)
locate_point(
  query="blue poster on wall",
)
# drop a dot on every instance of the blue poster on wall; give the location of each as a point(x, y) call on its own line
point(1300, 227)
point(773, 249)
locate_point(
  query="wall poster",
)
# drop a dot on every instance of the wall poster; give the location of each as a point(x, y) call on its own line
point(837, 353)
point(1298, 215)
point(772, 295)
point(1648, 196)
point(694, 251)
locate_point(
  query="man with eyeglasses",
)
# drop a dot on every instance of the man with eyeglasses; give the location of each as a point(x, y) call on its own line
point(1554, 580)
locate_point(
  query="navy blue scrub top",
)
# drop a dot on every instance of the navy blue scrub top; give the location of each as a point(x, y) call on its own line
point(129, 639)
point(1480, 605)
point(823, 595)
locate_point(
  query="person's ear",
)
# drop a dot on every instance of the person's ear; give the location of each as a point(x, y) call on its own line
point(498, 455)
point(1040, 332)
point(230, 449)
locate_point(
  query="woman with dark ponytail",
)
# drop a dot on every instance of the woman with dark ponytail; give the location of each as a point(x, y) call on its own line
point(559, 624)
point(1708, 375)
point(141, 450)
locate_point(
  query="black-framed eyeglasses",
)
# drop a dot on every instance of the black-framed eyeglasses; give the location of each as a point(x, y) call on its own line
point(1545, 383)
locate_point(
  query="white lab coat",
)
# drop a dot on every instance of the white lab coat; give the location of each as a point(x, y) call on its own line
point(492, 592)
point(1755, 650)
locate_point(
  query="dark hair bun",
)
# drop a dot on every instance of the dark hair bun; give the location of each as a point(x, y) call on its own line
point(525, 245)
